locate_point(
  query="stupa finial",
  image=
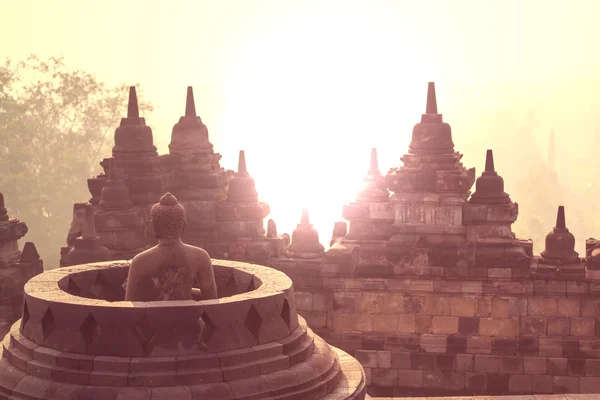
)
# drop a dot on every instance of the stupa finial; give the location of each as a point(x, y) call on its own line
point(374, 164)
point(132, 108)
point(242, 163)
point(431, 100)
point(560, 218)
point(489, 161)
point(190, 105)
point(305, 219)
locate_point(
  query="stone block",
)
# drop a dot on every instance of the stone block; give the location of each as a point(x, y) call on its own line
point(583, 327)
point(387, 323)
point(499, 308)
point(503, 213)
point(539, 306)
point(444, 324)
point(401, 360)
point(499, 273)
point(303, 301)
point(445, 362)
point(471, 287)
point(483, 307)
point(566, 384)
point(393, 302)
point(576, 366)
point(558, 326)
point(468, 326)
point(589, 384)
point(521, 384)
point(423, 323)
point(386, 377)
point(367, 358)
point(406, 323)
point(381, 211)
point(433, 379)
point(534, 365)
point(384, 359)
point(543, 383)
point(486, 363)
point(432, 343)
point(511, 365)
point(534, 326)
point(473, 213)
point(551, 347)
point(410, 378)
point(436, 305)
point(504, 346)
point(479, 345)
point(476, 382)
point(343, 302)
point(344, 322)
point(464, 362)
point(462, 306)
point(364, 322)
point(556, 366)
point(499, 327)
point(370, 303)
point(569, 307)
point(422, 361)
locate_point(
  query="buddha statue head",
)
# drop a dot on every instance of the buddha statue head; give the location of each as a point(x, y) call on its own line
point(168, 218)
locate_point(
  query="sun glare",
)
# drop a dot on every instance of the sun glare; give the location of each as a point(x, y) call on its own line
point(308, 135)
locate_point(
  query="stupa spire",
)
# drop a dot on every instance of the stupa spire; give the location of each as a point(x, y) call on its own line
point(242, 163)
point(560, 218)
point(133, 110)
point(431, 99)
point(374, 164)
point(305, 219)
point(489, 161)
point(190, 105)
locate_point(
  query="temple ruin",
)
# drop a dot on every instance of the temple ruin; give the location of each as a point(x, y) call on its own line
point(424, 283)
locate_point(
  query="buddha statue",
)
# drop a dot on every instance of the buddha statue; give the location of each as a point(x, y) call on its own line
point(169, 270)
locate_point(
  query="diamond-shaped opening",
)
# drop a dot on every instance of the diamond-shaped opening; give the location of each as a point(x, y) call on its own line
point(143, 332)
point(206, 329)
point(251, 285)
point(73, 288)
point(286, 313)
point(230, 287)
point(48, 323)
point(253, 321)
point(89, 329)
point(98, 287)
point(25, 316)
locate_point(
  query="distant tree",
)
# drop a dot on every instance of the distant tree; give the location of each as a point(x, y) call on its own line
point(56, 123)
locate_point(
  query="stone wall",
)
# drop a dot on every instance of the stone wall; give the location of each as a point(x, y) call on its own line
point(424, 333)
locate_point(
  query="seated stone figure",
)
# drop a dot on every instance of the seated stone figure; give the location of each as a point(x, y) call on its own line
point(169, 270)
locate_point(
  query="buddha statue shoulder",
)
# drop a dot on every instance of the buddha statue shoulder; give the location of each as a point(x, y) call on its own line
point(171, 270)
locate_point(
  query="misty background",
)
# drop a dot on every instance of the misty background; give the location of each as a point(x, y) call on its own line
point(306, 89)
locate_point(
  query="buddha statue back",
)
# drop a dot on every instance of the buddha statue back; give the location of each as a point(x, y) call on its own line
point(171, 269)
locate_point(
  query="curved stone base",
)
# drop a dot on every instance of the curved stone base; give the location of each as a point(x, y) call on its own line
point(303, 366)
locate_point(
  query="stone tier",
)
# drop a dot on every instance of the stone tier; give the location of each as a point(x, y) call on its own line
point(76, 337)
point(426, 330)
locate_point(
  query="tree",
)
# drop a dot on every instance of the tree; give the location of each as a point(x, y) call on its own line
point(56, 124)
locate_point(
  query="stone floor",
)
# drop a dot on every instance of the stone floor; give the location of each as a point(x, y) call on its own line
point(595, 396)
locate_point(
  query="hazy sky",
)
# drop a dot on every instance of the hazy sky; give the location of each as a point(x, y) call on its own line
point(308, 87)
